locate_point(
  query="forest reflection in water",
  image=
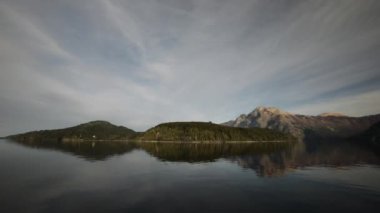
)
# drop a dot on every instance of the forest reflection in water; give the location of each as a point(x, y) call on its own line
point(266, 159)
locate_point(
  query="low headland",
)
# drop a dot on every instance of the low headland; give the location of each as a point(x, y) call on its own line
point(91, 131)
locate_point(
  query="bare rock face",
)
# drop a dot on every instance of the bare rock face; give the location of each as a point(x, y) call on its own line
point(326, 125)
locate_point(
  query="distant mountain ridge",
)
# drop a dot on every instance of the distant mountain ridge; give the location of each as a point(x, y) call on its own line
point(326, 125)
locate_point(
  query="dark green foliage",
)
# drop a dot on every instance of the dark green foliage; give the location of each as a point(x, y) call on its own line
point(370, 136)
point(102, 130)
point(202, 131)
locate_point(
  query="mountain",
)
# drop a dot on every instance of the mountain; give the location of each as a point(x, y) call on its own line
point(203, 131)
point(94, 130)
point(326, 125)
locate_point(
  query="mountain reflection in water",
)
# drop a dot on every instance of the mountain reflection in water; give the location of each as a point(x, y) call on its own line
point(266, 159)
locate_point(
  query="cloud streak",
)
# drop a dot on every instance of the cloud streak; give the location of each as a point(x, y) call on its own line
point(138, 63)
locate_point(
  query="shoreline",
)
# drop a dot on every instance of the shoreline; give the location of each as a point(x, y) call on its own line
point(163, 141)
point(219, 142)
point(151, 141)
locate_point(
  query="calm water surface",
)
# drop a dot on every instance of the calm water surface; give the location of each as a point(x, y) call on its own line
point(96, 177)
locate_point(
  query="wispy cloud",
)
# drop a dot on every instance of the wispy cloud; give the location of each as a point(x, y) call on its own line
point(138, 63)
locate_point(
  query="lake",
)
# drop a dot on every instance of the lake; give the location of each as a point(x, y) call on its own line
point(150, 177)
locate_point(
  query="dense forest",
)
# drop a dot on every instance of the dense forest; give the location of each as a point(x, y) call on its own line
point(370, 136)
point(203, 131)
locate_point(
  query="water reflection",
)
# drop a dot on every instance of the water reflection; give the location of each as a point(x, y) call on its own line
point(205, 152)
point(266, 159)
point(92, 151)
point(300, 156)
point(147, 178)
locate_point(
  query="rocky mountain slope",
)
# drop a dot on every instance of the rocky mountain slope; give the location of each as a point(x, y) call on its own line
point(326, 125)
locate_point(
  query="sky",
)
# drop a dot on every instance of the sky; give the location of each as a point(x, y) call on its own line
point(138, 63)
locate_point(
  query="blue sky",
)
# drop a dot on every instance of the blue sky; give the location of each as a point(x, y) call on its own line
point(141, 62)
